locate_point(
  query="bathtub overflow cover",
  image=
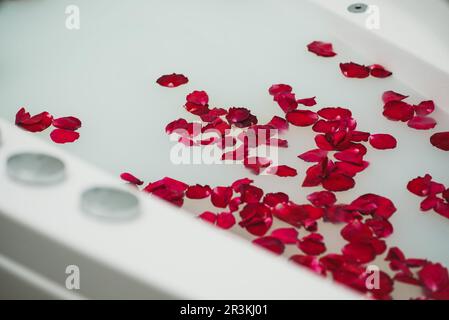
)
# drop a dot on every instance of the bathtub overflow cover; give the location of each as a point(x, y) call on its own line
point(358, 8)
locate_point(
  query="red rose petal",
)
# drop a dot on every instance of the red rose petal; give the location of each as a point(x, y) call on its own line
point(312, 244)
point(172, 80)
point(302, 118)
point(434, 277)
point(240, 117)
point(208, 217)
point(64, 136)
point(276, 89)
point(197, 109)
point(379, 71)
point(357, 231)
point(322, 198)
point(335, 113)
point(440, 140)
point(256, 218)
point(225, 220)
point(374, 205)
point(422, 123)
point(176, 125)
point(221, 196)
point(358, 252)
point(287, 101)
point(128, 177)
point(398, 111)
point(354, 70)
point(250, 194)
point(381, 227)
point(308, 102)
point(255, 164)
point(238, 184)
point(270, 243)
point(420, 185)
point(322, 49)
point(316, 155)
point(198, 192)
point(278, 123)
point(273, 199)
point(338, 182)
point(282, 171)
point(392, 96)
point(313, 263)
point(286, 235)
point(168, 189)
point(425, 108)
point(36, 123)
point(382, 141)
point(67, 123)
point(198, 97)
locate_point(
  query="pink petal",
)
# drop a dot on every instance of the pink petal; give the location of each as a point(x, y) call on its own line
point(322, 49)
point(128, 177)
point(64, 136)
point(302, 118)
point(440, 140)
point(422, 123)
point(172, 80)
point(382, 141)
point(255, 164)
point(354, 70)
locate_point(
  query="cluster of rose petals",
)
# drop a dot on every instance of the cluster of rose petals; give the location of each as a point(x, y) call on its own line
point(436, 195)
point(65, 131)
point(416, 116)
point(354, 70)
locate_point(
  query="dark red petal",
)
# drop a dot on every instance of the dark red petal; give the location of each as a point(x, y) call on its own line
point(446, 195)
point(374, 205)
point(198, 191)
point(22, 115)
point(338, 182)
point(434, 277)
point(197, 109)
point(287, 101)
point(335, 113)
point(308, 102)
point(316, 155)
point(172, 80)
point(322, 49)
point(278, 123)
point(282, 171)
point(250, 194)
point(420, 185)
point(312, 244)
point(429, 203)
point(302, 118)
point(225, 220)
point(198, 97)
point(68, 123)
point(237, 185)
point(440, 140)
point(354, 70)
point(36, 123)
point(382, 228)
point(276, 89)
point(332, 261)
point(273, 199)
point(270, 243)
point(359, 252)
point(382, 141)
point(286, 235)
point(168, 189)
point(322, 198)
point(398, 111)
point(208, 217)
point(392, 96)
point(310, 262)
point(128, 177)
point(379, 71)
point(356, 231)
point(64, 136)
point(221, 196)
point(422, 123)
point(256, 218)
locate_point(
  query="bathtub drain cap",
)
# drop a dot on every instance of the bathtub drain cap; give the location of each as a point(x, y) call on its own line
point(110, 203)
point(35, 168)
point(358, 8)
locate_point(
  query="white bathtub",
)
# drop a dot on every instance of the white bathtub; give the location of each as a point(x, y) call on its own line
point(105, 74)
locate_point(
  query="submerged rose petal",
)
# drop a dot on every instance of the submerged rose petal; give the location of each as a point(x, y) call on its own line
point(68, 123)
point(270, 243)
point(130, 178)
point(312, 244)
point(302, 118)
point(440, 140)
point(221, 196)
point(382, 141)
point(379, 71)
point(392, 96)
point(172, 80)
point(322, 49)
point(198, 191)
point(354, 70)
point(422, 123)
point(282, 171)
point(398, 111)
point(308, 102)
point(286, 235)
point(64, 136)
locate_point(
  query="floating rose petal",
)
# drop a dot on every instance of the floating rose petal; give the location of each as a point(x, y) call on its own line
point(382, 141)
point(322, 49)
point(310, 262)
point(379, 71)
point(282, 171)
point(422, 123)
point(440, 140)
point(287, 101)
point(381, 227)
point(128, 177)
point(67, 123)
point(359, 252)
point(338, 182)
point(237, 185)
point(302, 118)
point(278, 123)
point(316, 155)
point(354, 70)
point(335, 113)
point(168, 189)
point(286, 235)
point(225, 220)
point(64, 136)
point(36, 123)
point(273, 199)
point(221, 196)
point(256, 218)
point(198, 97)
point(255, 164)
point(312, 244)
point(213, 114)
point(270, 243)
point(398, 111)
point(392, 96)
point(180, 124)
point(374, 205)
point(420, 185)
point(425, 108)
point(198, 191)
point(197, 109)
point(276, 89)
point(250, 193)
point(208, 217)
point(240, 117)
point(322, 198)
point(308, 102)
point(172, 80)
point(357, 231)
point(434, 277)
